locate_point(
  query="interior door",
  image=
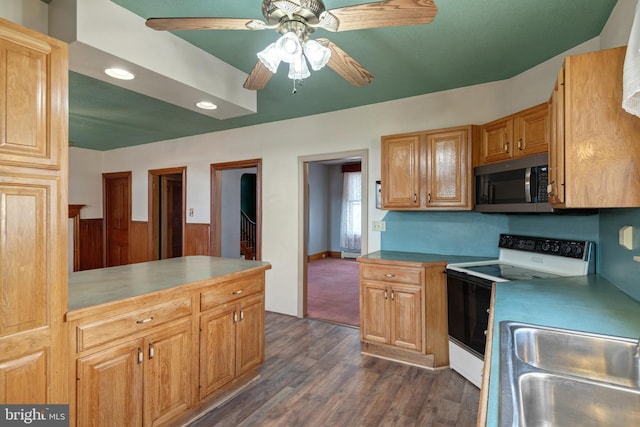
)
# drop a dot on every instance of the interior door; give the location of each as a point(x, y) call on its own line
point(117, 217)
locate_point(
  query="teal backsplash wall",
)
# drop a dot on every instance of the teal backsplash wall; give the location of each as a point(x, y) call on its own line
point(617, 264)
point(476, 234)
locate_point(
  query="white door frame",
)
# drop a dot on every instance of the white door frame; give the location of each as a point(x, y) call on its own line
point(303, 212)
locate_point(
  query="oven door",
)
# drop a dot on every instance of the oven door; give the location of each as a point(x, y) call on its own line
point(468, 302)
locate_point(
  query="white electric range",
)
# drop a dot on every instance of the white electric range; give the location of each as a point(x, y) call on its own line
point(469, 289)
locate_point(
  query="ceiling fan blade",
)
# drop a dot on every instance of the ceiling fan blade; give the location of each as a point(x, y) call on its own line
point(390, 13)
point(258, 78)
point(346, 66)
point(172, 24)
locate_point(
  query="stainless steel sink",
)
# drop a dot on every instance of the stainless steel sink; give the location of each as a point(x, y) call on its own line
point(556, 377)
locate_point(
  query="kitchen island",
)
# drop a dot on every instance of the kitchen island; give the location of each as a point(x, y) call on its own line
point(154, 343)
point(585, 303)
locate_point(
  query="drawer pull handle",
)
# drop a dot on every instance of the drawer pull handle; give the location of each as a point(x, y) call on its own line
point(235, 317)
point(241, 314)
point(147, 320)
point(393, 295)
point(236, 292)
point(151, 351)
point(390, 276)
point(386, 295)
point(140, 356)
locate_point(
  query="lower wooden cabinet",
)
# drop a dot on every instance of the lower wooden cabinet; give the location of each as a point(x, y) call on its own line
point(403, 311)
point(157, 359)
point(231, 342)
point(156, 367)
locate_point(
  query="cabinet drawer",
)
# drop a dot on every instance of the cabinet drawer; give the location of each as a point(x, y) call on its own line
point(389, 273)
point(230, 291)
point(102, 331)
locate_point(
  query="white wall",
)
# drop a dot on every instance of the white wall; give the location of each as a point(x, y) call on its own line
point(352, 129)
point(33, 14)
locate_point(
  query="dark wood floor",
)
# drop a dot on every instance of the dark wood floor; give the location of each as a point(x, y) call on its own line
point(314, 375)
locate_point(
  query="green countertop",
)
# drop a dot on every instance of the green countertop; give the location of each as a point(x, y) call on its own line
point(419, 257)
point(584, 303)
point(94, 287)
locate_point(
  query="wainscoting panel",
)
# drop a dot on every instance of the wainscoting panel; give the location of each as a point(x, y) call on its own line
point(139, 242)
point(91, 244)
point(196, 239)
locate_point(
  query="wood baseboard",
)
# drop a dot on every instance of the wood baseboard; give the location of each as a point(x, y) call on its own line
point(399, 355)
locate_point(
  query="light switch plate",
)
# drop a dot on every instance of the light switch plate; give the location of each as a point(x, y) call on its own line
point(626, 237)
point(379, 226)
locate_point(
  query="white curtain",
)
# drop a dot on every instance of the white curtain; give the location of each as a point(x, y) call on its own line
point(631, 76)
point(351, 220)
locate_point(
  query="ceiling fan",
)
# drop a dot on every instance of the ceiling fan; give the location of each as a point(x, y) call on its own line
point(296, 20)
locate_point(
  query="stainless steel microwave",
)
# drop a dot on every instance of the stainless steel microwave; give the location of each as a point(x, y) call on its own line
point(517, 186)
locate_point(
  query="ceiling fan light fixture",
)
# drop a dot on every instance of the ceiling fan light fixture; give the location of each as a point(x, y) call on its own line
point(289, 47)
point(270, 57)
point(316, 54)
point(119, 73)
point(298, 69)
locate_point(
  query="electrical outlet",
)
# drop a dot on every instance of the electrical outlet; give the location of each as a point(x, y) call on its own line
point(379, 226)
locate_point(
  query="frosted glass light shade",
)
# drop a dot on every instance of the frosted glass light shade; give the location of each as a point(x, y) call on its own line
point(316, 54)
point(270, 57)
point(298, 69)
point(289, 47)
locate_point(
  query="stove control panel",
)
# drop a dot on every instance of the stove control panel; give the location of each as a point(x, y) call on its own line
point(578, 249)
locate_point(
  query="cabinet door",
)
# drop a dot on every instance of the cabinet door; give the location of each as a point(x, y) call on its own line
point(532, 131)
point(406, 317)
point(33, 217)
point(217, 348)
point(110, 387)
point(167, 376)
point(556, 143)
point(400, 171)
point(497, 141)
point(250, 334)
point(374, 312)
point(448, 161)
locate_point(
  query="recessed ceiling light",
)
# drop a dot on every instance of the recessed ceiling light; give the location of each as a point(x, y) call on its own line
point(206, 105)
point(119, 73)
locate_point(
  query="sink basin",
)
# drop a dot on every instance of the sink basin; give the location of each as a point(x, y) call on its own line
point(554, 400)
point(558, 377)
point(597, 357)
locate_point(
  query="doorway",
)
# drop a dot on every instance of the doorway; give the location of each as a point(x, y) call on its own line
point(116, 190)
point(236, 209)
point(322, 179)
point(167, 197)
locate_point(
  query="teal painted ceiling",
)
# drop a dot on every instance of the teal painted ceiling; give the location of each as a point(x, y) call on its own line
point(469, 42)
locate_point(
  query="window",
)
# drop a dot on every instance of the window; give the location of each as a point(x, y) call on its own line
point(351, 220)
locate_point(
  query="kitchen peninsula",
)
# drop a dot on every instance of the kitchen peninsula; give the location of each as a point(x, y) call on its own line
point(154, 343)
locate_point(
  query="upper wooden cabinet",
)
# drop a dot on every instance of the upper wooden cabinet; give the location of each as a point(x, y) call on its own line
point(428, 170)
point(594, 158)
point(33, 216)
point(518, 135)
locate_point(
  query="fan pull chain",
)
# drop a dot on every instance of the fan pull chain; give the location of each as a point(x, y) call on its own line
point(293, 92)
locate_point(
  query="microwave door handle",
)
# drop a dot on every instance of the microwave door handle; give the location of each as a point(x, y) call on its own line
point(527, 185)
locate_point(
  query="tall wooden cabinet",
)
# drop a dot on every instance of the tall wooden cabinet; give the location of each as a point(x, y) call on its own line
point(33, 216)
point(428, 170)
point(594, 155)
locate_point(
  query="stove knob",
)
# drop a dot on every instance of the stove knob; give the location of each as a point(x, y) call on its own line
point(567, 249)
point(578, 250)
point(555, 247)
point(546, 246)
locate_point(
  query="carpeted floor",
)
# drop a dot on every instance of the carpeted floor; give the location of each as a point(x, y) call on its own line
point(333, 290)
